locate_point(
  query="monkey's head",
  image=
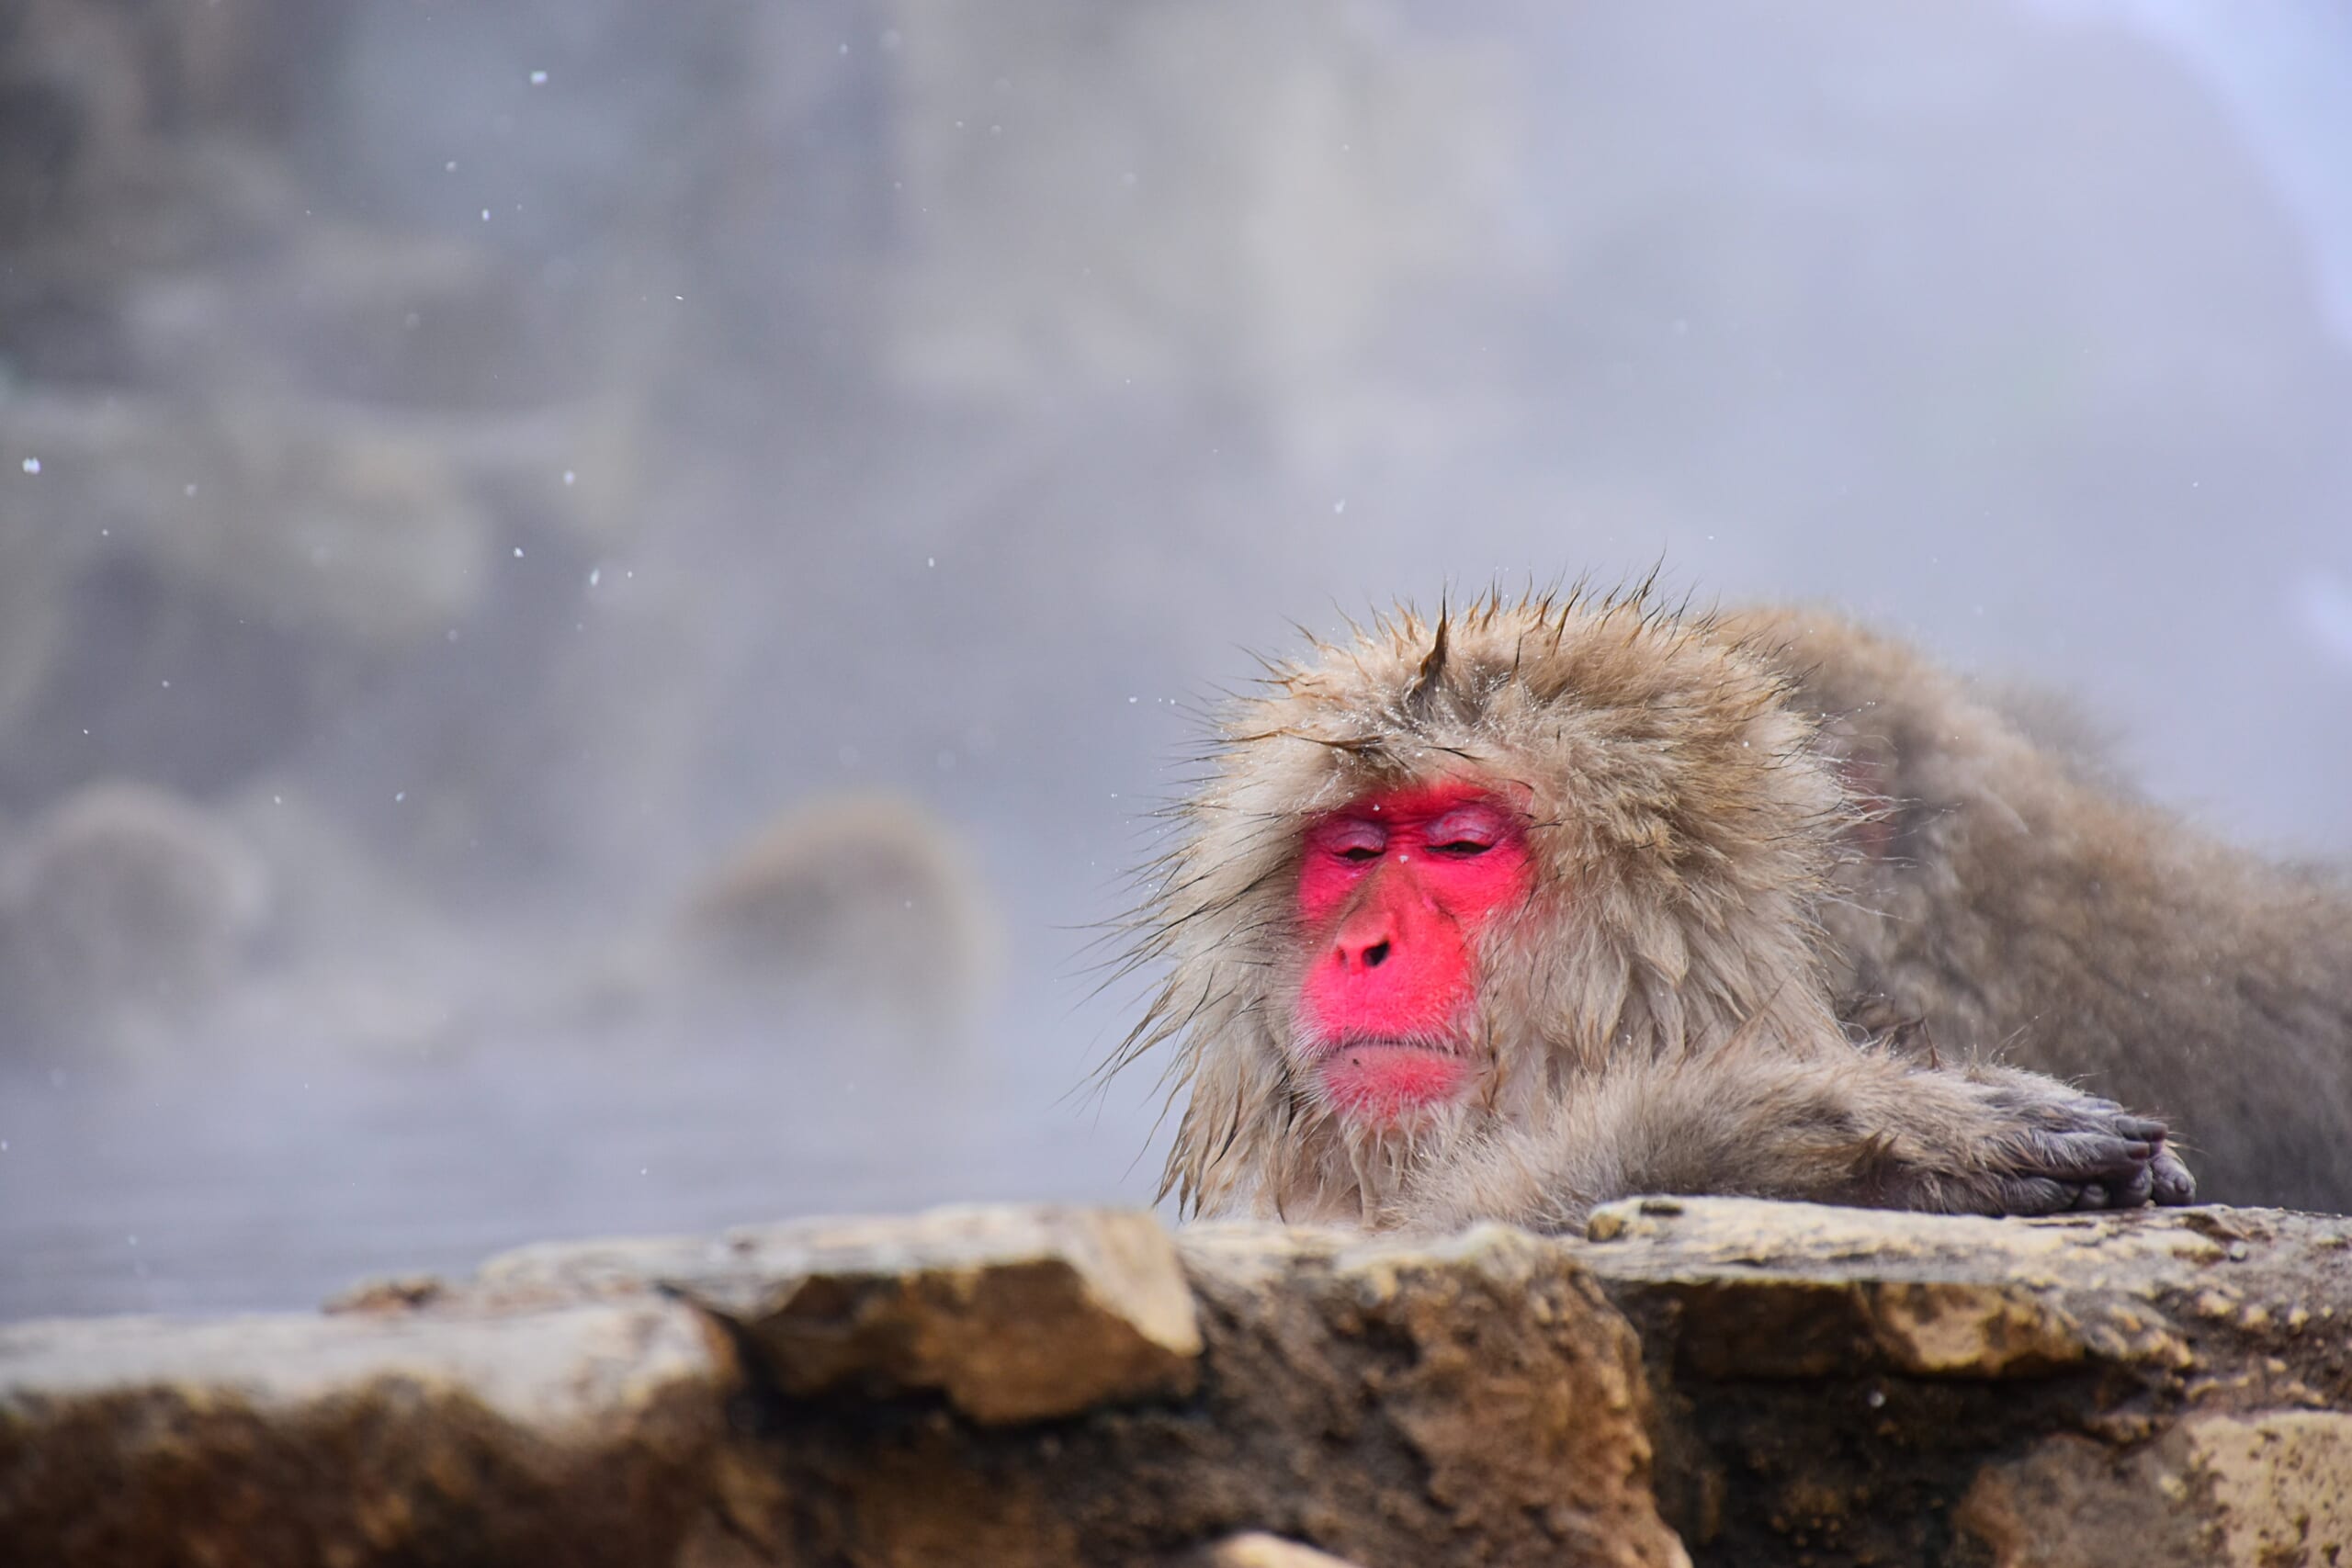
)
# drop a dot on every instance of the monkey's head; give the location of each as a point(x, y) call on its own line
point(1437, 874)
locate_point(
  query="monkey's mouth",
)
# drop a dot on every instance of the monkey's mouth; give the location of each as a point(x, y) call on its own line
point(1380, 1082)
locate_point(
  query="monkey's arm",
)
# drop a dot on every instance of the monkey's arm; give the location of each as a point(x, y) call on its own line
point(1859, 1127)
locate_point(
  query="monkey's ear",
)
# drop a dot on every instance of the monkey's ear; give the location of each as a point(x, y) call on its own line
point(1423, 691)
point(1868, 780)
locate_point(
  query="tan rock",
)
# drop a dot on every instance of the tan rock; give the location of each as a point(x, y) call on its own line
point(1985, 1331)
point(569, 1435)
point(1799, 1288)
point(1517, 1395)
point(2282, 1483)
point(2231, 1492)
point(1838, 1383)
point(1255, 1548)
point(1391, 1401)
point(1049, 1387)
point(1015, 1315)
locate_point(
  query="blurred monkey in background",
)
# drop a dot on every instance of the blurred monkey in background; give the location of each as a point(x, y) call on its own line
point(126, 912)
point(860, 905)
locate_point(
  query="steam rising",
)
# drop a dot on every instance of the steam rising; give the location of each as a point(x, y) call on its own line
point(485, 462)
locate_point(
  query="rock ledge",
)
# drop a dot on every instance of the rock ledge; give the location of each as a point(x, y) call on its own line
point(1766, 1382)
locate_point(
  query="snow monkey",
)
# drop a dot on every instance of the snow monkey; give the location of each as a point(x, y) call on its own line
point(825, 903)
point(1555, 901)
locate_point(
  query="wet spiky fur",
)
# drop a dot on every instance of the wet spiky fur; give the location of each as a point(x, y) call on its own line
point(1663, 1012)
point(1671, 787)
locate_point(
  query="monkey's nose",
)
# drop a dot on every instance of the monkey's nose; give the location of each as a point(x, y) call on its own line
point(1366, 942)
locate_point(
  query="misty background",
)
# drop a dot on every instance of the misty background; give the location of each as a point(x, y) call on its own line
point(595, 594)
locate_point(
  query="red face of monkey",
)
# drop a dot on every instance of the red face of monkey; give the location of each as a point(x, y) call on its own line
point(1393, 893)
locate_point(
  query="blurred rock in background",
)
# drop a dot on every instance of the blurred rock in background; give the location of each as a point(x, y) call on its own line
point(1249, 252)
point(279, 442)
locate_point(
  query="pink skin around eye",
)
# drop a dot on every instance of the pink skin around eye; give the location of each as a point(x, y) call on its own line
point(1392, 891)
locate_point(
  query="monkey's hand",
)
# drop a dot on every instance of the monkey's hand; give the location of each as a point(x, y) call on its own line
point(2007, 1142)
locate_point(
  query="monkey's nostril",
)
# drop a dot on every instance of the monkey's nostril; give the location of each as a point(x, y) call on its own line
point(1376, 955)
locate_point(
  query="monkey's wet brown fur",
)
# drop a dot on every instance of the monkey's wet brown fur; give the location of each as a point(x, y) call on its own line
point(1796, 890)
point(2020, 897)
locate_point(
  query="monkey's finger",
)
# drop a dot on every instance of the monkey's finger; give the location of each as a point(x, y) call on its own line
point(2147, 1129)
point(2173, 1184)
point(2065, 1113)
point(2131, 1190)
point(2083, 1157)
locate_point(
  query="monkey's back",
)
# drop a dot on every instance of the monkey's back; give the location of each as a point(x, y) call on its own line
point(2007, 897)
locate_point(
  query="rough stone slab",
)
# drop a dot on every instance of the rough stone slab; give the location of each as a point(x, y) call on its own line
point(1393, 1403)
point(1778, 1384)
point(1798, 1290)
point(1847, 1385)
point(1517, 1393)
point(2224, 1491)
point(570, 1436)
point(965, 1388)
point(1013, 1313)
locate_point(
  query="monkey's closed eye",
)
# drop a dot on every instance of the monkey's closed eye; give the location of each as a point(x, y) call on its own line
point(1460, 849)
point(1359, 852)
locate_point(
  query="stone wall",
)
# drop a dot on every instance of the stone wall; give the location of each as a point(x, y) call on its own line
point(1739, 1381)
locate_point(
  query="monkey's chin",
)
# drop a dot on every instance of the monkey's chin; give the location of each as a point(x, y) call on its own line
point(1383, 1083)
